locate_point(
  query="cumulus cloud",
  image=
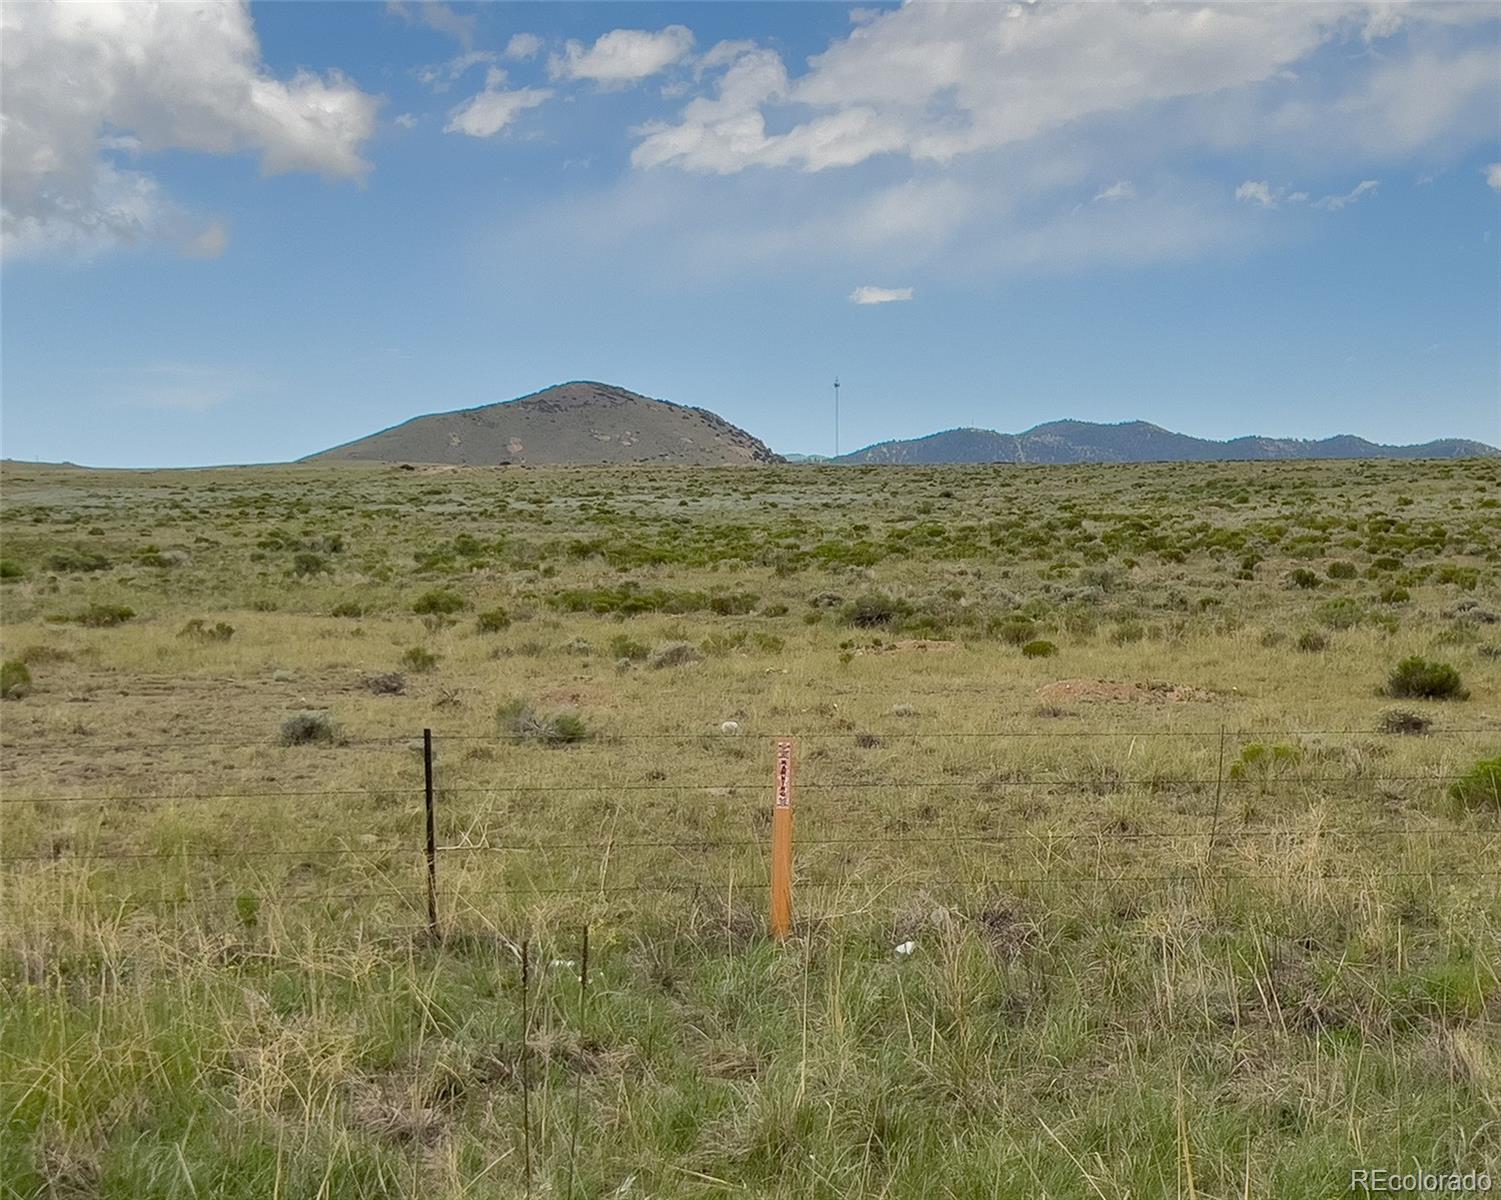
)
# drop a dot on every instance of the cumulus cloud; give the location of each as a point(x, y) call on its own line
point(490, 111)
point(86, 83)
point(880, 295)
point(1493, 176)
point(523, 46)
point(622, 56)
point(1335, 203)
point(936, 82)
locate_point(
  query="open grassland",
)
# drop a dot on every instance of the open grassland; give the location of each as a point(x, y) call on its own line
point(1186, 905)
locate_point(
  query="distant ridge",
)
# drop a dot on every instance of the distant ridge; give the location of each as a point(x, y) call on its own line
point(577, 423)
point(1136, 441)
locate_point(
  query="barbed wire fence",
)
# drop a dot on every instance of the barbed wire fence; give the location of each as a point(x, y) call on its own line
point(826, 804)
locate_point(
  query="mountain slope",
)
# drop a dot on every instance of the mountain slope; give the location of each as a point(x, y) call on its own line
point(573, 423)
point(1136, 441)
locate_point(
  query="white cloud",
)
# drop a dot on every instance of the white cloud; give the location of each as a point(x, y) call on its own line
point(880, 295)
point(435, 15)
point(721, 54)
point(1259, 191)
point(211, 242)
point(406, 121)
point(487, 113)
point(84, 81)
point(1122, 189)
point(442, 76)
point(1493, 176)
point(622, 56)
point(1335, 203)
point(936, 82)
point(523, 46)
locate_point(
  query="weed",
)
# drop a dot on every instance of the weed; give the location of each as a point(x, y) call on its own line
point(1480, 786)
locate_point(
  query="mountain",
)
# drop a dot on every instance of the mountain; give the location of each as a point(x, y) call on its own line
point(1136, 441)
point(573, 423)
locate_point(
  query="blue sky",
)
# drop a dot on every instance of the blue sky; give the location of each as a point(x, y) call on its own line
point(244, 234)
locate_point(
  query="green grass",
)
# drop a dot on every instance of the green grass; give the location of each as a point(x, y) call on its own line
point(1102, 999)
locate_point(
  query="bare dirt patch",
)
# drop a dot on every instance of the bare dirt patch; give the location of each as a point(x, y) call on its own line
point(1122, 692)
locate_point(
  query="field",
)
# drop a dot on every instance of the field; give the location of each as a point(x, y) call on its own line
point(1128, 862)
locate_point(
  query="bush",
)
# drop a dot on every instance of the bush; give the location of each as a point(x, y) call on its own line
point(1344, 613)
point(77, 560)
point(1015, 630)
point(348, 608)
point(10, 569)
point(1302, 577)
point(674, 654)
point(622, 646)
point(1420, 678)
point(308, 728)
point(1401, 720)
point(305, 563)
point(1342, 570)
point(390, 683)
point(875, 609)
point(200, 630)
point(1395, 594)
point(439, 602)
point(493, 620)
point(1311, 641)
point(103, 616)
point(1480, 786)
point(15, 679)
point(418, 659)
point(1039, 649)
point(522, 722)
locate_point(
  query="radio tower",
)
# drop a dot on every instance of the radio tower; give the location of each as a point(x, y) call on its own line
point(836, 416)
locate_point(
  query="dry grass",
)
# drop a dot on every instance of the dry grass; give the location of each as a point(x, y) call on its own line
point(1102, 999)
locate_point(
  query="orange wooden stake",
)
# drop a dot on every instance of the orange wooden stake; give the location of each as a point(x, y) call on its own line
point(781, 844)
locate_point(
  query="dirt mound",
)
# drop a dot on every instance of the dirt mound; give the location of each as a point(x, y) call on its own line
point(571, 424)
point(1115, 691)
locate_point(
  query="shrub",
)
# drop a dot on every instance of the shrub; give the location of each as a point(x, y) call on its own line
point(391, 683)
point(733, 605)
point(1395, 594)
point(1302, 577)
point(522, 722)
point(305, 563)
point(1401, 720)
point(774, 610)
point(1480, 786)
point(439, 602)
point(674, 654)
point(419, 659)
point(10, 569)
point(493, 620)
point(103, 616)
point(1342, 570)
point(348, 608)
point(308, 728)
point(1420, 678)
point(1262, 760)
point(1127, 632)
point(77, 560)
point(1344, 613)
point(15, 679)
point(622, 646)
point(1039, 649)
point(1311, 641)
point(200, 630)
point(874, 609)
point(1015, 630)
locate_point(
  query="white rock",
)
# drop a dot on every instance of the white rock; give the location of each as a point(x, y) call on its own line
point(730, 727)
point(906, 948)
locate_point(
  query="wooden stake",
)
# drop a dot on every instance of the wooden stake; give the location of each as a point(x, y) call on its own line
point(781, 843)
